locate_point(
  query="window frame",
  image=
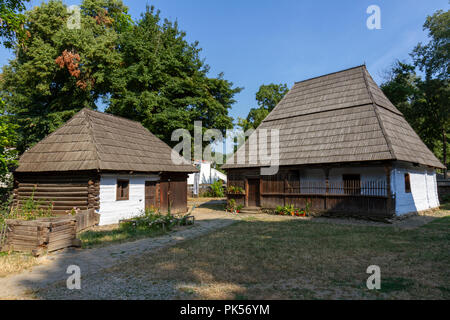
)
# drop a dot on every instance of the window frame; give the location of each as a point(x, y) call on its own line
point(407, 181)
point(122, 195)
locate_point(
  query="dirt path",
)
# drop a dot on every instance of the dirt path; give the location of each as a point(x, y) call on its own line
point(91, 261)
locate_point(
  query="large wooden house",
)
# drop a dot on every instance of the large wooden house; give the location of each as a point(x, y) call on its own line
point(343, 148)
point(108, 163)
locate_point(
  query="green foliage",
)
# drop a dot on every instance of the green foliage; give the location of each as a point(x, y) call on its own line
point(57, 70)
point(153, 220)
point(290, 210)
point(267, 97)
point(163, 82)
point(11, 21)
point(216, 190)
point(233, 207)
point(235, 190)
point(434, 58)
point(424, 103)
point(31, 209)
point(8, 137)
point(145, 71)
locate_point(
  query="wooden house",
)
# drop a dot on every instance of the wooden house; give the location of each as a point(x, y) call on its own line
point(343, 148)
point(101, 161)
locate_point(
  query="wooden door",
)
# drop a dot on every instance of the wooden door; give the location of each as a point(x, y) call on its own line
point(151, 195)
point(253, 193)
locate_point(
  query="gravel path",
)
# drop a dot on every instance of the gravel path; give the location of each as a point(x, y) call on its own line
point(52, 271)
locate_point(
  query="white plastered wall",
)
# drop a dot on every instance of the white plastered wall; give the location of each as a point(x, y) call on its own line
point(111, 210)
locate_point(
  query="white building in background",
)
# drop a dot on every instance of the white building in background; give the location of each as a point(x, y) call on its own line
point(207, 174)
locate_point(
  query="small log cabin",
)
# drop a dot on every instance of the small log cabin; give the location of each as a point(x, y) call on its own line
point(108, 163)
point(343, 148)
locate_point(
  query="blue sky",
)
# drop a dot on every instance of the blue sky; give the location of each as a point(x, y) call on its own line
point(258, 42)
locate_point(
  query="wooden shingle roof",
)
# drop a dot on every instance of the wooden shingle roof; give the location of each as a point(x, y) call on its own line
point(339, 117)
point(94, 140)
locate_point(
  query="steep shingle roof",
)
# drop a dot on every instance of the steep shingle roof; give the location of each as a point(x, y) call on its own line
point(339, 117)
point(94, 140)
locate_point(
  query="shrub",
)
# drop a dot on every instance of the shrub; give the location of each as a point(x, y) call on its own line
point(233, 207)
point(153, 220)
point(31, 209)
point(216, 190)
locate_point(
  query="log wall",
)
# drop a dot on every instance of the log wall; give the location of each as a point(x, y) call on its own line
point(62, 191)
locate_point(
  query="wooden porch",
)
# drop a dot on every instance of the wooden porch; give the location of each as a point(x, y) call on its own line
point(350, 197)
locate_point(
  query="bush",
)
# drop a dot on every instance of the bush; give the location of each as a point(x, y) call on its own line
point(216, 190)
point(31, 209)
point(153, 220)
point(233, 207)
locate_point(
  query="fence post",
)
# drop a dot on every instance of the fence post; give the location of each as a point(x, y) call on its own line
point(387, 169)
point(327, 186)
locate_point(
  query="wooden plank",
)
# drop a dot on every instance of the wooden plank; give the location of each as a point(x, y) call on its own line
point(54, 189)
point(60, 193)
point(54, 198)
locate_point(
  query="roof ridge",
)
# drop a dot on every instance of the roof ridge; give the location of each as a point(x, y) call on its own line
point(111, 115)
point(91, 134)
point(331, 73)
point(375, 108)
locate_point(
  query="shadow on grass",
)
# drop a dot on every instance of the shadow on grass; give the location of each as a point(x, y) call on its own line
point(216, 205)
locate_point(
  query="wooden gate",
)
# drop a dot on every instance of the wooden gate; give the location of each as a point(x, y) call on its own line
point(151, 195)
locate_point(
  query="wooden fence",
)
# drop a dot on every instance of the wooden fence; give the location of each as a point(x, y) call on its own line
point(349, 187)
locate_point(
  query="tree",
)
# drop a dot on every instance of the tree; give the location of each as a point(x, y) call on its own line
point(434, 60)
point(12, 21)
point(424, 104)
point(163, 82)
point(8, 154)
point(267, 97)
point(58, 70)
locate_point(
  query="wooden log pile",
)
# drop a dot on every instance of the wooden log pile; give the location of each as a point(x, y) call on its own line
point(47, 234)
point(39, 236)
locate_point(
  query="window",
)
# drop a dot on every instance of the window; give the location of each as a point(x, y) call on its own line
point(123, 187)
point(352, 183)
point(407, 183)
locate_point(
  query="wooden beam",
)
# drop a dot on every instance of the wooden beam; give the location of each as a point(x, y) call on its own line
point(388, 170)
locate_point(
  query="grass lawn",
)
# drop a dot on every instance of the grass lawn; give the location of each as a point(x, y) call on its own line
point(106, 235)
point(271, 257)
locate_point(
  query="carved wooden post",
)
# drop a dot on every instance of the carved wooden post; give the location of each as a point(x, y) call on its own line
point(260, 190)
point(388, 169)
point(327, 186)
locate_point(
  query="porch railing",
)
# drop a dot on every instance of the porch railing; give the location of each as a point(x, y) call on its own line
point(348, 187)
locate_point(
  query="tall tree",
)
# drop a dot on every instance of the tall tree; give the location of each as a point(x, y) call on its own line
point(434, 60)
point(434, 57)
point(12, 20)
point(267, 98)
point(164, 83)
point(58, 70)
